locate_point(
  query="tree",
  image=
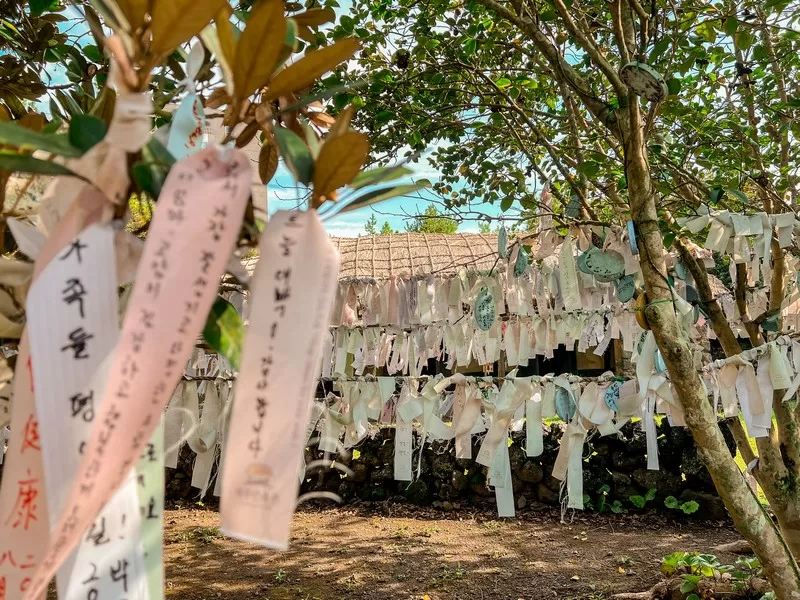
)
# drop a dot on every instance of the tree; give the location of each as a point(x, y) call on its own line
point(515, 93)
point(371, 226)
point(431, 221)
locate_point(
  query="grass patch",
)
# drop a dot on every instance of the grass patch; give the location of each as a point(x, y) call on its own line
point(205, 535)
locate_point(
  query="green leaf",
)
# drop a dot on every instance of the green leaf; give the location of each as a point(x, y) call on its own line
point(589, 168)
point(384, 116)
point(690, 583)
point(671, 502)
point(224, 331)
point(470, 46)
point(40, 6)
point(637, 501)
point(295, 154)
point(93, 53)
point(659, 49)
point(692, 597)
point(382, 194)
point(716, 195)
point(731, 25)
point(86, 131)
point(706, 31)
point(651, 494)
point(150, 173)
point(669, 239)
point(744, 39)
point(24, 163)
point(506, 203)
point(674, 86)
point(740, 195)
point(548, 15)
point(379, 175)
point(14, 135)
point(690, 507)
point(503, 83)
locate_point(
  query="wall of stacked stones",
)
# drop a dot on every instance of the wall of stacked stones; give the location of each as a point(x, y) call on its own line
point(614, 469)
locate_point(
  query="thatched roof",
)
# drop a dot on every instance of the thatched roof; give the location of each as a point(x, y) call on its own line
point(380, 256)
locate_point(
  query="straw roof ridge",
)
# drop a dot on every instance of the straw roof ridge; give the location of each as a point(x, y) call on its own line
point(414, 254)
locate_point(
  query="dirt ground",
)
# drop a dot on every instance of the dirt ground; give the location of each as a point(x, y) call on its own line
point(381, 553)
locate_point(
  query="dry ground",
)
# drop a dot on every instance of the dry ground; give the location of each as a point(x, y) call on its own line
point(381, 553)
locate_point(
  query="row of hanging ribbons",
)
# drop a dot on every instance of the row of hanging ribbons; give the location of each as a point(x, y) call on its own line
point(458, 407)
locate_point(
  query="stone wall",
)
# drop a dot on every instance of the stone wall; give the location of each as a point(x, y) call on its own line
point(614, 470)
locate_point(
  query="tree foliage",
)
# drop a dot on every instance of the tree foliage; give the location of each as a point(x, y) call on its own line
point(511, 94)
point(480, 89)
point(432, 221)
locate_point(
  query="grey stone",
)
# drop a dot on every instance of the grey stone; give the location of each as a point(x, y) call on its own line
point(531, 472)
point(447, 506)
point(417, 493)
point(459, 480)
point(442, 466)
point(546, 495)
point(360, 471)
point(664, 482)
point(620, 478)
point(709, 506)
point(522, 502)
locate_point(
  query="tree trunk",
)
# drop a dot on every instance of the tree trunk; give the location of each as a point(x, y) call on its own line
point(748, 515)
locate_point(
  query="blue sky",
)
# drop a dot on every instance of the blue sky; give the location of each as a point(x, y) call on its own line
point(282, 193)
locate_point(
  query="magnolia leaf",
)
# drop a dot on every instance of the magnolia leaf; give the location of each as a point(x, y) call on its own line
point(225, 35)
point(39, 6)
point(134, 11)
point(247, 134)
point(295, 154)
point(379, 175)
point(315, 17)
point(339, 161)
point(304, 33)
point(85, 131)
point(211, 38)
point(382, 194)
point(309, 68)
point(177, 21)
point(342, 123)
point(15, 135)
point(740, 195)
point(267, 161)
point(259, 47)
point(24, 163)
point(224, 332)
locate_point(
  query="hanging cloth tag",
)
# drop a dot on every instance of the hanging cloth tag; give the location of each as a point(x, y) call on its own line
point(207, 435)
point(292, 297)
point(150, 487)
point(778, 368)
point(726, 383)
point(569, 276)
point(84, 327)
point(173, 427)
point(500, 478)
point(403, 439)
point(175, 288)
point(534, 442)
point(651, 435)
point(569, 463)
